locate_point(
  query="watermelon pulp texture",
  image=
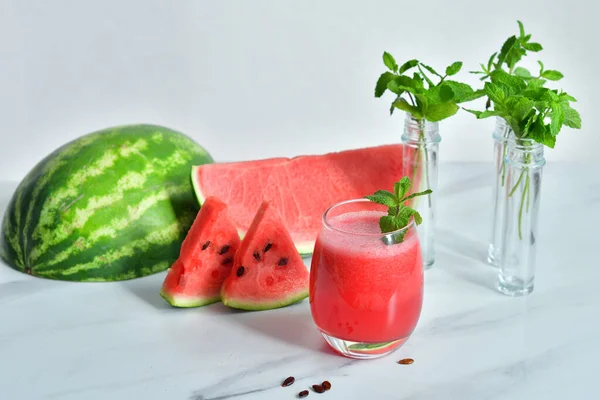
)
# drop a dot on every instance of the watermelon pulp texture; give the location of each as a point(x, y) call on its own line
point(111, 205)
point(301, 188)
point(205, 259)
point(268, 271)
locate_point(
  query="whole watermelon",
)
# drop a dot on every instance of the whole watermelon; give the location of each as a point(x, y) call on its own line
point(112, 205)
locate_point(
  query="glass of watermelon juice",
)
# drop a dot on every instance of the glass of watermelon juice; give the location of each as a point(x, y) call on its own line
point(366, 287)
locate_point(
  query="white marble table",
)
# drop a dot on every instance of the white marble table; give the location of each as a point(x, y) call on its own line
point(74, 341)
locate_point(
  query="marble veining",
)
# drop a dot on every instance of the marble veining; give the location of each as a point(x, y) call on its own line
point(70, 341)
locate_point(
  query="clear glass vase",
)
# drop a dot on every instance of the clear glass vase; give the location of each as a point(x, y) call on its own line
point(524, 163)
point(421, 140)
point(500, 135)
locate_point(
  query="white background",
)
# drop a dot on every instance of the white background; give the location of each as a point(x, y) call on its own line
point(254, 79)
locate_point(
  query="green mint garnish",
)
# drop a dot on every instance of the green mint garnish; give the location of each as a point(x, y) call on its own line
point(418, 94)
point(520, 98)
point(398, 214)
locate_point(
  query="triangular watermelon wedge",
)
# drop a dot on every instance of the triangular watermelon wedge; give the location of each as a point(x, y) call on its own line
point(205, 259)
point(268, 271)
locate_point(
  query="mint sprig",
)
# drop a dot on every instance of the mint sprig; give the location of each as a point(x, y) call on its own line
point(531, 110)
point(398, 213)
point(418, 94)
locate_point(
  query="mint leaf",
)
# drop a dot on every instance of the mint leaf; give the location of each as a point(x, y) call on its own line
point(507, 47)
point(389, 62)
point(431, 70)
point(384, 197)
point(540, 133)
point(535, 47)
point(494, 92)
point(572, 119)
point(518, 106)
point(484, 114)
point(541, 67)
point(552, 75)
point(404, 106)
point(401, 188)
point(534, 93)
point(454, 68)
point(429, 81)
point(462, 92)
point(388, 223)
point(490, 63)
point(405, 214)
point(557, 118)
point(521, 30)
point(510, 84)
point(438, 112)
point(408, 65)
point(423, 193)
point(522, 73)
point(446, 93)
point(382, 83)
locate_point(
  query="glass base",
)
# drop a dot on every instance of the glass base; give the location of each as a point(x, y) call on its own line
point(363, 350)
point(515, 287)
point(493, 256)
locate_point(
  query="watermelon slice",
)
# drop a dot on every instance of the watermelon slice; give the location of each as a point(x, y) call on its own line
point(301, 188)
point(205, 259)
point(268, 271)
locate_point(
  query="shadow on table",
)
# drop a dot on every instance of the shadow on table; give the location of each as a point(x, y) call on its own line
point(464, 268)
point(147, 289)
point(292, 324)
point(466, 247)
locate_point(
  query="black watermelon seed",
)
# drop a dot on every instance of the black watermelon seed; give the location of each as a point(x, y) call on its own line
point(326, 385)
point(205, 245)
point(268, 247)
point(226, 261)
point(288, 381)
point(282, 261)
point(256, 256)
point(240, 271)
point(318, 388)
point(303, 393)
point(224, 249)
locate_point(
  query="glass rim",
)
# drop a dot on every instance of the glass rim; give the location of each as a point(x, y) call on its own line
point(411, 223)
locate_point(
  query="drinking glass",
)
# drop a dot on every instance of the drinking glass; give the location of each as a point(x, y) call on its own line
point(366, 287)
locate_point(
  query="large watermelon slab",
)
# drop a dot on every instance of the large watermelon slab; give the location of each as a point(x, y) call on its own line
point(112, 205)
point(301, 188)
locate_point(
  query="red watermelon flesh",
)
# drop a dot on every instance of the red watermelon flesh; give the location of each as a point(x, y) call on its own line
point(205, 259)
point(301, 188)
point(268, 271)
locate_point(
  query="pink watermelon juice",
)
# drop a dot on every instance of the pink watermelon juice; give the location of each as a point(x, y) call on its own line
point(365, 287)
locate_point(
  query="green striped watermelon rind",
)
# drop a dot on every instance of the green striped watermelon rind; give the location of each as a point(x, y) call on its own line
point(70, 220)
point(188, 301)
point(304, 248)
point(264, 304)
